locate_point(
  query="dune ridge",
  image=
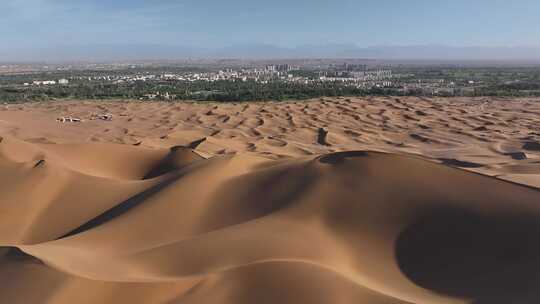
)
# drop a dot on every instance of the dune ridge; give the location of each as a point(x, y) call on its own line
point(493, 136)
point(193, 216)
point(340, 228)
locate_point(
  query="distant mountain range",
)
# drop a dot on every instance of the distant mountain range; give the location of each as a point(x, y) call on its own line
point(266, 51)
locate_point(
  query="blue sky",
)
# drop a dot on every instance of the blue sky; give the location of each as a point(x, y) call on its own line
point(289, 23)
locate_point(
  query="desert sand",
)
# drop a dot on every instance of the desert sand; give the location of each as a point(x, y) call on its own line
point(361, 200)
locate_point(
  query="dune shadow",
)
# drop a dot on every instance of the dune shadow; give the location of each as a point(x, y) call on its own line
point(14, 254)
point(531, 146)
point(340, 157)
point(489, 259)
point(176, 158)
point(459, 163)
point(322, 134)
point(259, 194)
point(125, 206)
point(517, 155)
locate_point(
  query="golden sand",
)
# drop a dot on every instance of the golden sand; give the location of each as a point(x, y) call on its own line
point(375, 200)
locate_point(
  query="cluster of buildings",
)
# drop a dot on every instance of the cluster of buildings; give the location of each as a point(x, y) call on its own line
point(116, 78)
point(285, 68)
point(354, 75)
point(158, 95)
point(270, 72)
point(375, 78)
point(47, 82)
point(438, 88)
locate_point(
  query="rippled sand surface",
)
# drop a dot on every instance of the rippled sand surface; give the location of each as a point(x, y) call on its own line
point(373, 200)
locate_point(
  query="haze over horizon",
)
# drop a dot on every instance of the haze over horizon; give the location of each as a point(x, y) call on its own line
point(149, 29)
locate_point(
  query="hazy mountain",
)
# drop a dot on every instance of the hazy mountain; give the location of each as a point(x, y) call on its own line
point(453, 53)
point(258, 51)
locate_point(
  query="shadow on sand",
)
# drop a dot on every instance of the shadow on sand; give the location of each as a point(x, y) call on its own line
point(490, 259)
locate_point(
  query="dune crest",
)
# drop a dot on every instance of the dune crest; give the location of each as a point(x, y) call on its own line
point(168, 226)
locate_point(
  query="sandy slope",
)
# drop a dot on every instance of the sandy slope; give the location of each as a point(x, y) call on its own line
point(497, 137)
point(266, 209)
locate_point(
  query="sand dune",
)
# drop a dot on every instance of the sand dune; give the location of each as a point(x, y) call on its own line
point(257, 205)
point(492, 136)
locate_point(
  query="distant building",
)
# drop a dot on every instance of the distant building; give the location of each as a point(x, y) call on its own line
point(150, 96)
point(271, 68)
point(284, 68)
point(46, 82)
point(63, 81)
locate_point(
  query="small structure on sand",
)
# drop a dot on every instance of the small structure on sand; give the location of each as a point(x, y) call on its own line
point(66, 119)
point(106, 117)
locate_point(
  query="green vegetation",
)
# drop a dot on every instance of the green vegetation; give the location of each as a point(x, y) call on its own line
point(425, 81)
point(197, 90)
